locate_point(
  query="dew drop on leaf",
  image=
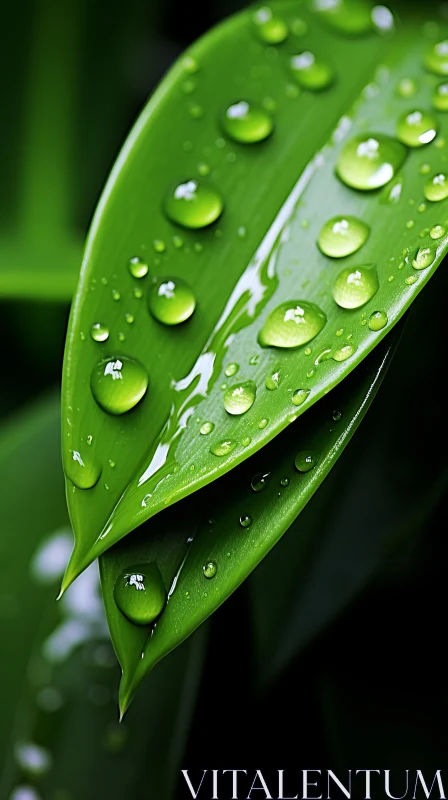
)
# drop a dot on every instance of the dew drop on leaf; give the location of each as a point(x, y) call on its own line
point(310, 73)
point(194, 205)
point(291, 324)
point(343, 353)
point(82, 470)
point(423, 258)
point(436, 58)
point(440, 97)
point(369, 161)
point(341, 236)
point(231, 370)
point(206, 428)
point(437, 232)
point(245, 520)
point(407, 87)
point(259, 481)
point(263, 423)
point(223, 448)
point(240, 397)
point(272, 381)
point(247, 123)
point(417, 128)
point(436, 188)
point(355, 286)
point(171, 301)
point(378, 320)
point(284, 481)
point(299, 396)
point(137, 267)
point(270, 29)
point(99, 332)
point(118, 384)
point(210, 569)
point(305, 460)
point(140, 594)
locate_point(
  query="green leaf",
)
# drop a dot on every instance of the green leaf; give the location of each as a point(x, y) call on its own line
point(277, 194)
point(232, 531)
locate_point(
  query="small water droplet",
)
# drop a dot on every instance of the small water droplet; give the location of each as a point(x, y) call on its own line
point(336, 416)
point(417, 128)
point(343, 353)
point(195, 111)
point(223, 448)
point(378, 320)
point(440, 97)
point(137, 267)
point(423, 258)
point(111, 464)
point(406, 87)
point(411, 279)
point(299, 26)
point(263, 423)
point(140, 594)
point(118, 384)
point(342, 236)
point(436, 58)
point(292, 324)
point(259, 481)
point(190, 65)
point(115, 294)
point(99, 332)
point(355, 286)
point(436, 189)
point(231, 369)
point(247, 123)
point(129, 318)
point(206, 428)
point(81, 469)
point(285, 481)
point(272, 381)
point(369, 161)
point(240, 397)
point(437, 232)
point(310, 73)
point(305, 460)
point(299, 396)
point(171, 301)
point(270, 28)
point(210, 569)
point(194, 205)
point(159, 245)
point(245, 520)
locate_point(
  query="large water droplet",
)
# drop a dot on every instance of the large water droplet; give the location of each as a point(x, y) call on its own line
point(417, 128)
point(194, 204)
point(423, 258)
point(210, 569)
point(240, 397)
point(247, 123)
point(82, 469)
point(378, 320)
point(140, 594)
point(440, 97)
point(436, 189)
point(118, 384)
point(305, 460)
point(310, 73)
point(270, 29)
point(342, 236)
point(355, 286)
point(343, 353)
point(99, 332)
point(436, 58)
point(137, 267)
point(223, 448)
point(292, 324)
point(260, 481)
point(346, 16)
point(370, 161)
point(171, 301)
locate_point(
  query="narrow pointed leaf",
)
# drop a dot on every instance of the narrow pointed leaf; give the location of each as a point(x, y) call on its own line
point(206, 545)
point(278, 195)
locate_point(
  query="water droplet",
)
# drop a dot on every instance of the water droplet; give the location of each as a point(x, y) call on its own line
point(137, 293)
point(310, 73)
point(299, 396)
point(223, 448)
point(436, 58)
point(159, 245)
point(411, 279)
point(231, 370)
point(423, 258)
point(272, 381)
point(407, 87)
point(190, 65)
point(115, 294)
point(240, 397)
point(247, 123)
point(346, 16)
point(99, 332)
point(195, 111)
point(436, 189)
point(343, 353)
point(370, 161)
point(437, 232)
point(118, 384)
point(193, 205)
point(440, 97)
point(259, 481)
point(245, 520)
point(378, 320)
point(355, 286)
point(336, 416)
point(342, 236)
point(129, 318)
point(416, 128)
point(82, 469)
point(285, 481)
point(263, 423)
point(292, 324)
point(111, 463)
point(210, 569)
point(137, 267)
point(270, 29)
point(206, 428)
point(305, 460)
point(171, 301)
point(140, 594)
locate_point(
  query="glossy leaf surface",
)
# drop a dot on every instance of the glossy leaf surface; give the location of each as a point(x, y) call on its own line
point(260, 253)
point(206, 545)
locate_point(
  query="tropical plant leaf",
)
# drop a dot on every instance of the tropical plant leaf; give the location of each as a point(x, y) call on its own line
point(206, 545)
point(277, 194)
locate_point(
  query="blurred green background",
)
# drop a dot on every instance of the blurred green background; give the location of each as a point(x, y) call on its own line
point(337, 635)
